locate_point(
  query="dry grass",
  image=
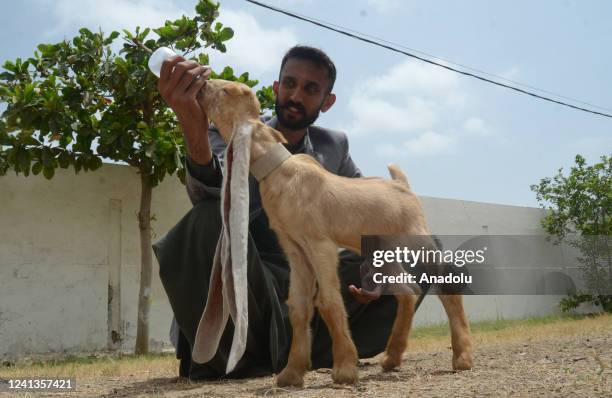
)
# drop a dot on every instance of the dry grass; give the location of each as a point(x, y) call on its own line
point(99, 365)
point(552, 357)
point(508, 331)
point(423, 339)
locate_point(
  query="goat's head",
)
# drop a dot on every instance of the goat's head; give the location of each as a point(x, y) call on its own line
point(227, 104)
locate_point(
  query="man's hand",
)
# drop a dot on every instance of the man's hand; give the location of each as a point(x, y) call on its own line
point(361, 295)
point(179, 83)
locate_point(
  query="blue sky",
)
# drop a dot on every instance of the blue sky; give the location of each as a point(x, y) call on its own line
point(455, 137)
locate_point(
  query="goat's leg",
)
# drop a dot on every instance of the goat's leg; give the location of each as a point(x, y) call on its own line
point(324, 258)
point(398, 340)
point(460, 331)
point(300, 302)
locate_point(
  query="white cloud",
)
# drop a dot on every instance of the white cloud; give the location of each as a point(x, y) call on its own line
point(112, 14)
point(384, 6)
point(426, 144)
point(253, 47)
point(380, 116)
point(415, 78)
point(429, 143)
point(410, 98)
point(476, 126)
point(414, 108)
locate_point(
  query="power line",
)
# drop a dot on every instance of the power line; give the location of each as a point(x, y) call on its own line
point(455, 63)
point(361, 37)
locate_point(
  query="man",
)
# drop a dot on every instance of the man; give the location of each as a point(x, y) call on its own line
point(304, 89)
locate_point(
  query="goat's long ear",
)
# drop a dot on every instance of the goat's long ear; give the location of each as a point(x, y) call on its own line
point(236, 295)
point(215, 315)
point(227, 295)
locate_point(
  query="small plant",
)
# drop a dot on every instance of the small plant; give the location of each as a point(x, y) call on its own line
point(580, 204)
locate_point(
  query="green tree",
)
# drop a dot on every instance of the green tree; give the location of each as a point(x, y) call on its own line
point(581, 203)
point(77, 102)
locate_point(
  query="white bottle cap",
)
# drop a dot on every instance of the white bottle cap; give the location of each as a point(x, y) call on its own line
point(158, 57)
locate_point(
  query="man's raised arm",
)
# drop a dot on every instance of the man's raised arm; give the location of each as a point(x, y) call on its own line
point(179, 84)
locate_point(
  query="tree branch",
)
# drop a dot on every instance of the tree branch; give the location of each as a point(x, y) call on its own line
point(141, 45)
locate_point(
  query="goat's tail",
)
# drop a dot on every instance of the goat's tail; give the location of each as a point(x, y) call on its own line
point(397, 174)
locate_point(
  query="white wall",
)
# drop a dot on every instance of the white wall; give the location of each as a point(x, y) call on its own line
point(54, 256)
point(460, 217)
point(56, 246)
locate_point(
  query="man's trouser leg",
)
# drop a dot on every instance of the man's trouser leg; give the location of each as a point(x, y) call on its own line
point(185, 256)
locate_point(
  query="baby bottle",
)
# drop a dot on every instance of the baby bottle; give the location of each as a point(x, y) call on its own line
point(157, 59)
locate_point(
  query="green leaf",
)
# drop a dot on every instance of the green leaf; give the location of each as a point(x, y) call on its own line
point(37, 168)
point(111, 37)
point(203, 59)
point(85, 32)
point(78, 162)
point(6, 76)
point(265, 95)
point(48, 172)
point(23, 159)
point(28, 93)
point(47, 158)
point(64, 160)
point(207, 10)
point(10, 66)
point(221, 47)
point(127, 33)
point(226, 34)
point(168, 32)
point(126, 141)
point(27, 139)
point(94, 163)
point(227, 74)
point(181, 175)
point(85, 162)
point(11, 157)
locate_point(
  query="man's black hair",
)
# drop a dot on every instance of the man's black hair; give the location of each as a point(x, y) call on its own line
point(314, 55)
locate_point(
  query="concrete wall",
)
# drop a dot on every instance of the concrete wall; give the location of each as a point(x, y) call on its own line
point(57, 239)
point(459, 217)
point(64, 242)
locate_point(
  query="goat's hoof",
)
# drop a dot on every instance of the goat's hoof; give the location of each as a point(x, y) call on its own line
point(462, 361)
point(390, 362)
point(345, 374)
point(289, 378)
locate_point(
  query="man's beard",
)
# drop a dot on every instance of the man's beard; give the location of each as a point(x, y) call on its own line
point(295, 124)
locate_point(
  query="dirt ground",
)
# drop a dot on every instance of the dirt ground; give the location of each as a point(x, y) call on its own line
point(551, 362)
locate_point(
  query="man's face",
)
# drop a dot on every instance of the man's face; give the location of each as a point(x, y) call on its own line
point(301, 93)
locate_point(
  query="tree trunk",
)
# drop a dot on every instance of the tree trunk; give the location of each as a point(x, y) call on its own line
point(144, 295)
point(607, 249)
